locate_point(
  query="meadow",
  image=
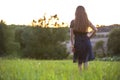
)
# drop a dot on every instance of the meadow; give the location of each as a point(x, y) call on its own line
point(27, 69)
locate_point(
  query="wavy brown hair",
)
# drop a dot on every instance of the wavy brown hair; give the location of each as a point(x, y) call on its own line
point(81, 22)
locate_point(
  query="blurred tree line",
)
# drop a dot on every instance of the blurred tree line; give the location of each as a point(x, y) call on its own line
point(34, 41)
point(46, 39)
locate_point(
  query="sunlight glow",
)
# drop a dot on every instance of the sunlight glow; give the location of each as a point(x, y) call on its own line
point(24, 11)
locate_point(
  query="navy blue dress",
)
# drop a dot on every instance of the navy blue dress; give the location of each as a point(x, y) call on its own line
point(83, 49)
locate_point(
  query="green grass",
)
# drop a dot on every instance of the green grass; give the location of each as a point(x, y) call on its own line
point(25, 69)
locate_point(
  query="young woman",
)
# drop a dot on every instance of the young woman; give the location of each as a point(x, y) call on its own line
point(80, 41)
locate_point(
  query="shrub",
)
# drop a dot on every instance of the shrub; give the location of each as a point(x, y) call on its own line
point(42, 43)
point(114, 42)
point(99, 48)
point(8, 46)
point(2, 45)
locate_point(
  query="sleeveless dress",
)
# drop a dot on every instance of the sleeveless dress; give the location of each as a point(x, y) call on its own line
point(83, 49)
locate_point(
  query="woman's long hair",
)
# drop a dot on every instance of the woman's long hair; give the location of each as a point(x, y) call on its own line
point(81, 22)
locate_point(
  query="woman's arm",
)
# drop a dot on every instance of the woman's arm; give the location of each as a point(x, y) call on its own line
point(71, 37)
point(72, 40)
point(94, 30)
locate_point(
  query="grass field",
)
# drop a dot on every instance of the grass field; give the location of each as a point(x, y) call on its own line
point(25, 69)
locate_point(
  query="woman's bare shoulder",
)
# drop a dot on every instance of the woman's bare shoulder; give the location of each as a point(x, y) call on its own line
point(72, 24)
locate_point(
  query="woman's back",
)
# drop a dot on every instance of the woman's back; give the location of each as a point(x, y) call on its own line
point(81, 28)
point(81, 22)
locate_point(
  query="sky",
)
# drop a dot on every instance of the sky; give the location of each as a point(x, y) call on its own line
point(101, 12)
